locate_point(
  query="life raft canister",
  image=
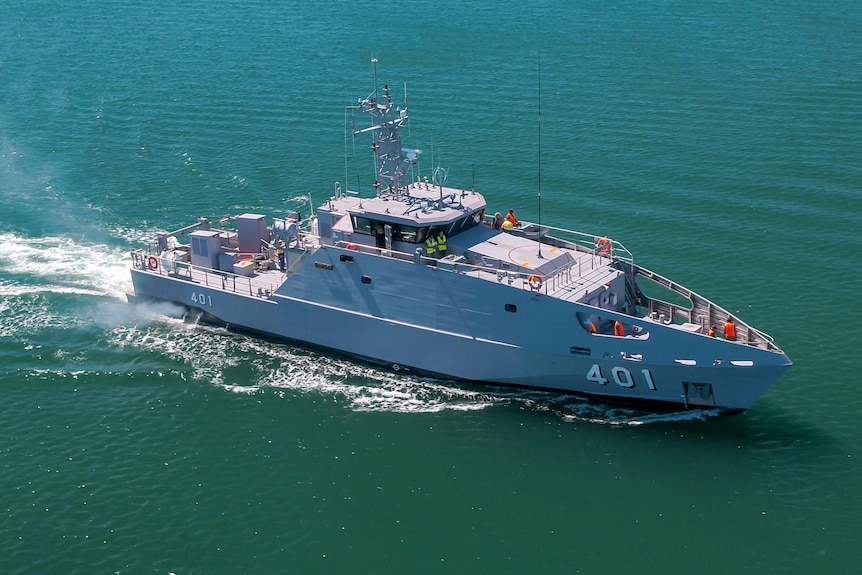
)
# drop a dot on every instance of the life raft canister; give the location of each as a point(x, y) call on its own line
point(535, 282)
point(603, 245)
point(153, 262)
point(353, 247)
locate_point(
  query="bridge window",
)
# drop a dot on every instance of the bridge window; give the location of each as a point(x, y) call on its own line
point(361, 225)
point(409, 234)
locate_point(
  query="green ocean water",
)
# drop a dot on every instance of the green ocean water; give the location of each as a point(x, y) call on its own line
point(719, 141)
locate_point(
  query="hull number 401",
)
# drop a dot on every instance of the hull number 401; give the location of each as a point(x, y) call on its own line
point(202, 299)
point(621, 376)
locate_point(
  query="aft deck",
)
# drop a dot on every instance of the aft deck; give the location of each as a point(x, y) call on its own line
point(262, 283)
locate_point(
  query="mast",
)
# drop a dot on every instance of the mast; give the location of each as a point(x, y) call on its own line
point(390, 162)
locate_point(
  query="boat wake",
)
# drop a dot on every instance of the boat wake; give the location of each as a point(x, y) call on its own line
point(39, 274)
point(59, 264)
point(54, 282)
point(243, 364)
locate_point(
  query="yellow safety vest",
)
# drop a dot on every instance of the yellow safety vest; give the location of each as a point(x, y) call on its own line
point(430, 246)
point(441, 243)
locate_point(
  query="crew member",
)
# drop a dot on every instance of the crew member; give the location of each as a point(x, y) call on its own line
point(711, 332)
point(619, 331)
point(431, 246)
point(730, 330)
point(498, 221)
point(592, 327)
point(511, 217)
point(441, 244)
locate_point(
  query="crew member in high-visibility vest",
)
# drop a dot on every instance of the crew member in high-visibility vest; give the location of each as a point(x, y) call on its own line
point(730, 330)
point(711, 332)
point(511, 217)
point(431, 246)
point(441, 244)
point(619, 331)
point(592, 327)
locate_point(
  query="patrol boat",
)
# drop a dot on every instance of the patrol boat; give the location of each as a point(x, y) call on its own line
point(524, 305)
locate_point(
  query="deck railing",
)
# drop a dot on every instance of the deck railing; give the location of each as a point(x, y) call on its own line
point(256, 285)
point(547, 284)
point(580, 241)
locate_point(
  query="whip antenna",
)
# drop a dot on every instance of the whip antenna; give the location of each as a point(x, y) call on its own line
point(540, 158)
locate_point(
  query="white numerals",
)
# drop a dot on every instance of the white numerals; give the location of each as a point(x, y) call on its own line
point(595, 374)
point(621, 376)
point(202, 299)
point(648, 377)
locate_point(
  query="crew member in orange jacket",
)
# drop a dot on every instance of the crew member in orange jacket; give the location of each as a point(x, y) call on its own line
point(618, 329)
point(730, 330)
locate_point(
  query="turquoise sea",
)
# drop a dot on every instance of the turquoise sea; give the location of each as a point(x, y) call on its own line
point(719, 141)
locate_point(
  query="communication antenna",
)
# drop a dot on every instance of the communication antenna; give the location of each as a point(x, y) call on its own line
point(406, 106)
point(539, 236)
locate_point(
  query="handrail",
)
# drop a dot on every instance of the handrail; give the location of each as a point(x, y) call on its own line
point(227, 281)
point(580, 240)
point(549, 283)
point(698, 303)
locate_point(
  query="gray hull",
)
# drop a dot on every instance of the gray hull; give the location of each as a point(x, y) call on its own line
point(419, 318)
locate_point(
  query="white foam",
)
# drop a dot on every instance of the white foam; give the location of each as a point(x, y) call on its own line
point(61, 265)
point(247, 365)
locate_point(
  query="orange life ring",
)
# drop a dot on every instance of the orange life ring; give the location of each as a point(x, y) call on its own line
point(535, 282)
point(153, 262)
point(352, 247)
point(603, 245)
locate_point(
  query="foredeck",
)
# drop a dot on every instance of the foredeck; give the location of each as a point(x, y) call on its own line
point(582, 275)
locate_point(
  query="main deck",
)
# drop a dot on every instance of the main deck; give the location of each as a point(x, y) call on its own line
point(567, 265)
point(565, 273)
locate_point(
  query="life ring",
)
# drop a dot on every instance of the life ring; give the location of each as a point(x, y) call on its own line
point(535, 282)
point(153, 263)
point(352, 247)
point(603, 246)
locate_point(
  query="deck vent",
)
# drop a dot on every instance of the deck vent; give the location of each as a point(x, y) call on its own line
point(366, 279)
point(579, 350)
point(512, 308)
point(346, 258)
point(324, 266)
